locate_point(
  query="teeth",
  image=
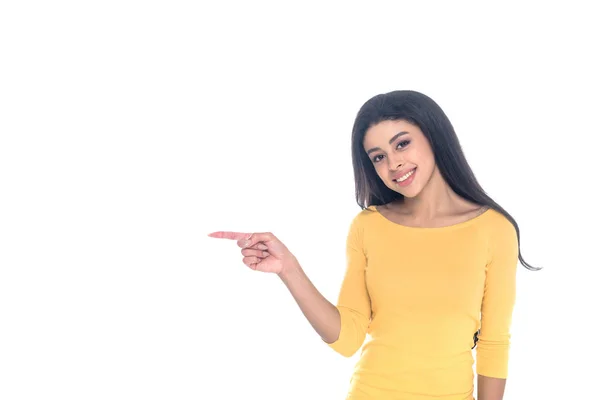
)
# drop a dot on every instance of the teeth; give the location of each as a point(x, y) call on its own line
point(403, 178)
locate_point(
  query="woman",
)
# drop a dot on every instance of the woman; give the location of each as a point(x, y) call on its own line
point(431, 263)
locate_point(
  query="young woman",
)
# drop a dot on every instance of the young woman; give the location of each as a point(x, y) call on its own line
point(431, 263)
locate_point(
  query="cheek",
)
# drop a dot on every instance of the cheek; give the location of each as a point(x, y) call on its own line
point(426, 165)
point(423, 158)
point(381, 171)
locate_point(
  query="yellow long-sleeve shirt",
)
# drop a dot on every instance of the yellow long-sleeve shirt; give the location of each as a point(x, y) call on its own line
point(421, 294)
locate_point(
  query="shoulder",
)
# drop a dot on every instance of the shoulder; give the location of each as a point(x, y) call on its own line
point(364, 216)
point(499, 222)
point(503, 236)
point(362, 219)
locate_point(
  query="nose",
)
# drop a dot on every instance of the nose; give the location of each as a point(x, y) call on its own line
point(395, 164)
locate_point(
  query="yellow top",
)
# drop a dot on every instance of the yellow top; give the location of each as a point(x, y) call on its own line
point(421, 294)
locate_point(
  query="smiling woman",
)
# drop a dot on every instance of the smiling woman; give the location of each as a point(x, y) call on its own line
point(452, 288)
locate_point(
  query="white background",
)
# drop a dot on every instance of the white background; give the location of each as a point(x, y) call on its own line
point(130, 130)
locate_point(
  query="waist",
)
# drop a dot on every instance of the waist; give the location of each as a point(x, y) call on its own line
point(401, 372)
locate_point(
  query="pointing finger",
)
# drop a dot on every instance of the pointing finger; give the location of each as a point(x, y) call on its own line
point(244, 239)
point(230, 235)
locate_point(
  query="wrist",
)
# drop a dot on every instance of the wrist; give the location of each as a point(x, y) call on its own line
point(289, 269)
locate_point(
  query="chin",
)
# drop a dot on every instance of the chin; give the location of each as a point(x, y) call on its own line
point(409, 193)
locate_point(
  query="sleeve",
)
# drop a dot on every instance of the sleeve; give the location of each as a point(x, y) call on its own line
point(353, 303)
point(498, 302)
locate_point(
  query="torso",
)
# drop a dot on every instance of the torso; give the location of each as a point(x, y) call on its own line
point(423, 289)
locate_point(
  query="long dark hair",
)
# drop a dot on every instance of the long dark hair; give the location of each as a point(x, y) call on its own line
point(422, 111)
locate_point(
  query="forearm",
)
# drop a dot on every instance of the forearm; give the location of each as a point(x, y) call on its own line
point(490, 388)
point(322, 314)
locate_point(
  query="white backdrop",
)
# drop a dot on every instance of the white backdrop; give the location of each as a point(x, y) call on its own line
point(130, 130)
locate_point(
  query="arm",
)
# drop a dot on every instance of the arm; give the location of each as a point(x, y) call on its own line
point(490, 388)
point(322, 315)
point(496, 313)
point(342, 327)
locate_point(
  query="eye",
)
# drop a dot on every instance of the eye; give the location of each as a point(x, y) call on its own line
point(404, 143)
point(400, 145)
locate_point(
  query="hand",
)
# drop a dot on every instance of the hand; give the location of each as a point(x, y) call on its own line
point(262, 251)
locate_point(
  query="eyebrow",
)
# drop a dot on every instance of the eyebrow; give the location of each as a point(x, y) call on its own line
point(396, 136)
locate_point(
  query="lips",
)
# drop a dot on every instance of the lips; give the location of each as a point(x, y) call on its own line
point(402, 174)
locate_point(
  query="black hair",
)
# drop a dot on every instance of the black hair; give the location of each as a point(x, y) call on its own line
point(420, 110)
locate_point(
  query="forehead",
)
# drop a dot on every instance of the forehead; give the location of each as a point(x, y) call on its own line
point(384, 130)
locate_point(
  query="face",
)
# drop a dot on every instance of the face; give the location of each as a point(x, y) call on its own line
point(401, 155)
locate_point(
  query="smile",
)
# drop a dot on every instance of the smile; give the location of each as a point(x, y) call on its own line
point(406, 179)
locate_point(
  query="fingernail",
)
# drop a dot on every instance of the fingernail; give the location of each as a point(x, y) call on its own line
point(245, 243)
point(265, 253)
point(262, 247)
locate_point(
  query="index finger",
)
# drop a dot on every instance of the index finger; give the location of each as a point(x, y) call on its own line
point(230, 235)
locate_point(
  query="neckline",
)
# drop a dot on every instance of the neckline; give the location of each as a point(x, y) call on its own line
point(457, 225)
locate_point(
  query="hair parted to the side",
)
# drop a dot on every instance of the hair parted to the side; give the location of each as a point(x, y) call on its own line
point(422, 111)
